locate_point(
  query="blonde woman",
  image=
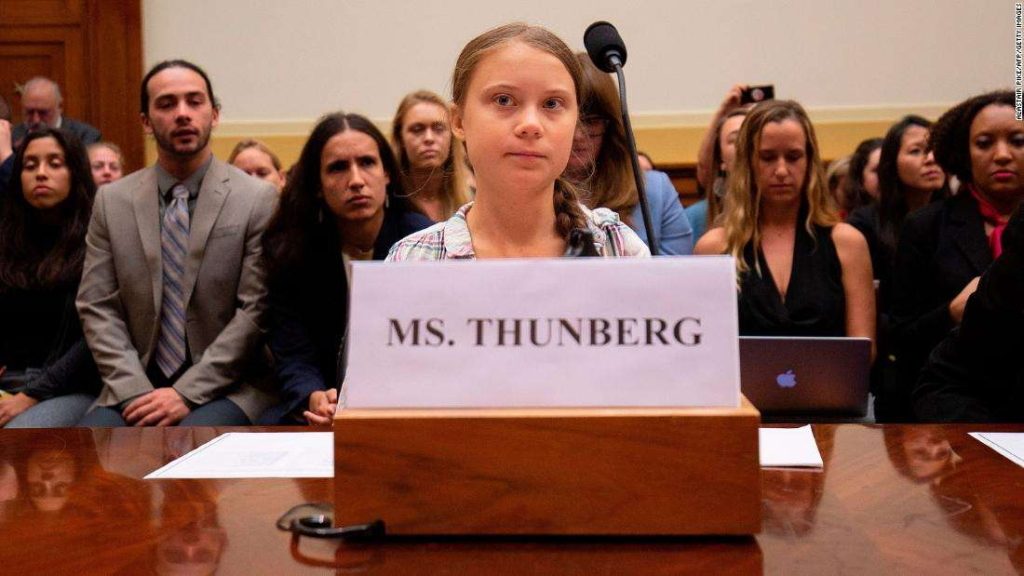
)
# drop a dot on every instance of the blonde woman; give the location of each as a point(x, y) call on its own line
point(432, 162)
point(801, 272)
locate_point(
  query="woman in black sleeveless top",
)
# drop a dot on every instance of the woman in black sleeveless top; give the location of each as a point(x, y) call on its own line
point(812, 274)
point(815, 303)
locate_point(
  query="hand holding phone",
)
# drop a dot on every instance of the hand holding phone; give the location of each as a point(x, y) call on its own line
point(755, 94)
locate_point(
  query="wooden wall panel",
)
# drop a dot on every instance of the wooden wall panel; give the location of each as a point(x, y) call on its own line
point(92, 48)
point(41, 12)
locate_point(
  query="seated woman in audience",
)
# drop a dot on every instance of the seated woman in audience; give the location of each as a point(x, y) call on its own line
point(343, 202)
point(973, 375)
point(719, 148)
point(516, 95)
point(106, 161)
point(46, 370)
point(602, 170)
point(946, 246)
point(908, 179)
point(257, 160)
point(433, 170)
point(800, 271)
point(644, 159)
point(837, 176)
point(862, 186)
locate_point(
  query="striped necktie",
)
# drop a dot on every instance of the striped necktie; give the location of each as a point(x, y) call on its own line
point(170, 348)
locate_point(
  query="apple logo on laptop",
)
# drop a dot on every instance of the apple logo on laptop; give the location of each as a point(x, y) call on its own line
point(787, 380)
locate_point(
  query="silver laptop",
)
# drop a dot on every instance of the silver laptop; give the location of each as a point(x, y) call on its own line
point(793, 375)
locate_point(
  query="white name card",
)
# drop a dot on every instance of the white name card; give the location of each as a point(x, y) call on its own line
point(544, 333)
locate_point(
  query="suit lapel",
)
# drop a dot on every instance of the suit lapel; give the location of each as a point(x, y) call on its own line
point(212, 194)
point(147, 216)
point(970, 236)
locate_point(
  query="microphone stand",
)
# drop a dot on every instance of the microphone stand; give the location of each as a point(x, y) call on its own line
point(641, 189)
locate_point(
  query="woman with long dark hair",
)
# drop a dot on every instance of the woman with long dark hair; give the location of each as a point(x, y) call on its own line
point(343, 201)
point(945, 247)
point(908, 179)
point(43, 355)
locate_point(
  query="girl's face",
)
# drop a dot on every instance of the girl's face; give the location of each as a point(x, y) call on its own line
point(727, 141)
point(258, 164)
point(518, 118)
point(426, 136)
point(997, 152)
point(45, 178)
point(352, 178)
point(915, 164)
point(870, 174)
point(780, 162)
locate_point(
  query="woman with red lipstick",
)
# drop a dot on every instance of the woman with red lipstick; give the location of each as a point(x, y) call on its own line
point(516, 92)
point(344, 201)
point(946, 246)
point(432, 162)
point(43, 356)
point(801, 272)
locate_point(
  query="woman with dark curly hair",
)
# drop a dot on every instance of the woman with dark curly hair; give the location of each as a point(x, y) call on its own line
point(344, 201)
point(946, 246)
point(43, 356)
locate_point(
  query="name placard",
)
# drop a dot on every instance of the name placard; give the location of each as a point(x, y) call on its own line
point(544, 333)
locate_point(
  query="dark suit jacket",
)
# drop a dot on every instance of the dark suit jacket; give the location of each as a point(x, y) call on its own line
point(309, 317)
point(942, 248)
point(975, 374)
point(84, 132)
point(121, 292)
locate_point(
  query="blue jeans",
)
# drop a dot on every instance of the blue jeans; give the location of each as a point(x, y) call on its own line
point(221, 412)
point(59, 412)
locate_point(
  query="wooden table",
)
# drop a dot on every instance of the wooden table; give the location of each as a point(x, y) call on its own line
point(894, 499)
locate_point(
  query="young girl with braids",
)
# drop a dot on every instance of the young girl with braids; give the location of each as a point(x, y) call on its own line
point(516, 91)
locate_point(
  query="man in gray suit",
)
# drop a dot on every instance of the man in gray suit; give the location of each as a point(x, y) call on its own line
point(42, 105)
point(173, 292)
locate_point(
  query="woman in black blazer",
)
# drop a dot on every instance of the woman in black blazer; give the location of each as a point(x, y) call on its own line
point(974, 375)
point(945, 247)
point(344, 201)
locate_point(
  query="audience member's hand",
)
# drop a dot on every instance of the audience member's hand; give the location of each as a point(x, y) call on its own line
point(732, 99)
point(956, 307)
point(322, 405)
point(161, 407)
point(14, 405)
point(6, 146)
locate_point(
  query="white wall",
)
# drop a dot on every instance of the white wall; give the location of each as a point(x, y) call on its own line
point(278, 61)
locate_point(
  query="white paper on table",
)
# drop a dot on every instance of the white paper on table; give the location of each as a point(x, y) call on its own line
point(1009, 444)
point(256, 455)
point(789, 447)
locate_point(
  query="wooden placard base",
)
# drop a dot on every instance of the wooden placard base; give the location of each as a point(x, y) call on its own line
point(572, 471)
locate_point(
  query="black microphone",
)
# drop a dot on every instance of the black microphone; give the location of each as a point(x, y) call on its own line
point(608, 52)
point(605, 46)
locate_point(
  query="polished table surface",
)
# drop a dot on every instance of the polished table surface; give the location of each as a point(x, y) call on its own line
point(891, 499)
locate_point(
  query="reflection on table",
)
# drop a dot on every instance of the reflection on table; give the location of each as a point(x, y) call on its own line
point(890, 499)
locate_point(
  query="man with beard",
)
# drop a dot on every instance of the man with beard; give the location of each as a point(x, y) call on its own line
point(42, 105)
point(173, 290)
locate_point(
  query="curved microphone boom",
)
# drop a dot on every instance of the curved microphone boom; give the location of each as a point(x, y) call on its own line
point(608, 52)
